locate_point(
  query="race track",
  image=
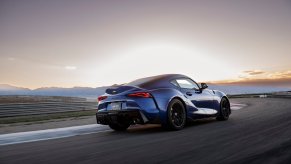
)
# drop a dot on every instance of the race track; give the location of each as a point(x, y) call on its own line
point(257, 133)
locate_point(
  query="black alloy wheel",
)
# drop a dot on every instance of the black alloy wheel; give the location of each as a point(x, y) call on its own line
point(224, 110)
point(176, 115)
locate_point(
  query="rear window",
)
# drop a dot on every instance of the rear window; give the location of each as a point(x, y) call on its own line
point(150, 82)
point(140, 82)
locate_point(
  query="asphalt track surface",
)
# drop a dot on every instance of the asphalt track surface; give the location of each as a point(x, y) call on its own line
point(257, 133)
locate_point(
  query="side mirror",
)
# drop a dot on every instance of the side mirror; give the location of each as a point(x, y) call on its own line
point(204, 86)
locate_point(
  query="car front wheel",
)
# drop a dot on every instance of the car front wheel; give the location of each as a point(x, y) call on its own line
point(224, 110)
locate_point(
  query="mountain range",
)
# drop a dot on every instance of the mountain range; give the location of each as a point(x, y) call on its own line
point(89, 92)
point(86, 92)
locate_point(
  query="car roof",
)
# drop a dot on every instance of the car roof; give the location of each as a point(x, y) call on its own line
point(157, 81)
point(172, 76)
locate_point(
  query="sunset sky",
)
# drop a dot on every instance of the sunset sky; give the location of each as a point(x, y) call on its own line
point(97, 43)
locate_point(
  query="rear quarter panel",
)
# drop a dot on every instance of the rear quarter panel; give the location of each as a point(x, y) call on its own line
point(163, 96)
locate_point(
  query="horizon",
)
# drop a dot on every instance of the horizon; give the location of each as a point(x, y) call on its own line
point(263, 83)
point(91, 44)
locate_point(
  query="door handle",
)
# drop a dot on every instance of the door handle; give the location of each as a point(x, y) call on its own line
point(198, 91)
point(189, 93)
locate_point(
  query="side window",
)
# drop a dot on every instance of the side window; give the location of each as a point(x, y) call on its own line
point(187, 84)
point(174, 82)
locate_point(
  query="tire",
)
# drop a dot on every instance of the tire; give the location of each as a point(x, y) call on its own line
point(224, 111)
point(176, 115)
point(119, 126)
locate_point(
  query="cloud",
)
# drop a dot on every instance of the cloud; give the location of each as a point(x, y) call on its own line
point(283, 74)
point(262, 78)
point(254, 72)
point(278, 82)
point(70, 67)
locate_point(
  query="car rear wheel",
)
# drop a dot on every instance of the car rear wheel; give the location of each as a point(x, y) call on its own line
point(224, 110)
point(119, 126)
point(176, 115)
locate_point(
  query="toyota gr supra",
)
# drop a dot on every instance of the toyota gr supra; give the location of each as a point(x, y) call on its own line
point(170, 100)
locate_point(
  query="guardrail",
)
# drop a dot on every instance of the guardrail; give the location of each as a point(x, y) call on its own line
point(262, 95)
point(41, 108)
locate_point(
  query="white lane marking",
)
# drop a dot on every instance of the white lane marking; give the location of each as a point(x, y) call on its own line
point(40, 135)
point(205, 111)
point(235, 106)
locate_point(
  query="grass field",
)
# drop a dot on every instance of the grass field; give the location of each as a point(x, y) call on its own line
point(37, 99)
point(36, 118)
point(11, 100)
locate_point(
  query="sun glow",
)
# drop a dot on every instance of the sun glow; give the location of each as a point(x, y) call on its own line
point(163, 58)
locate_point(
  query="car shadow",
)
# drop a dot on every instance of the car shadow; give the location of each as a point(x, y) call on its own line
point(157, 128)
point(200, 122)
point(142, 129)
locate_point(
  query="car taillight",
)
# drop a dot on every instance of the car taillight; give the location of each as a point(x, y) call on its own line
point(100, 98)
point(140, 94)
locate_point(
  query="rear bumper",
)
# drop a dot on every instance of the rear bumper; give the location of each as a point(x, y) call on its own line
point(131, 116)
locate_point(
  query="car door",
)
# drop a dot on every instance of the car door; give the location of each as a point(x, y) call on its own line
point(200, 98)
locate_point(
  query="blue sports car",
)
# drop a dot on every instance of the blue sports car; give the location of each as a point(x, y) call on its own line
point(170, 100)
